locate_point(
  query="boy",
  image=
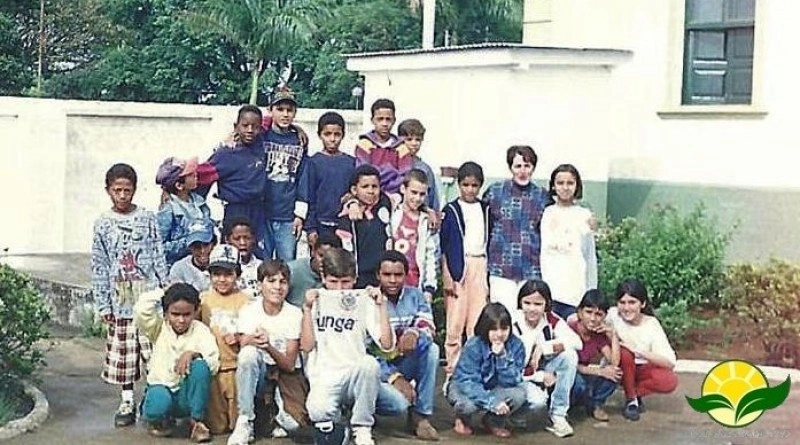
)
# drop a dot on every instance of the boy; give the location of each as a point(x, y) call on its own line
point(239, 233)
point(337, 321)
point(383, 149)
point(417, 356)
point(307, 272)
point(185, 356)
point(178, 178)
point(127, 260)
point(193, 268)
point(464, 236)
point(413, 133)
point(219, 310)
point(369, 236)
point(327, 178)
point(285, 158)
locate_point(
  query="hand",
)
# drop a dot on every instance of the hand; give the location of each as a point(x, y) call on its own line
point(498, 348)
point(183, 362)
point(434, 220)
point(428, 297)
point(535, 357)
point(230, 339)
point(558, 348)
point(108, 319)
point(606, 329)
point(302, 135)
point(297, 228)
point(312, 237)
point(592, 221)
point(311, 297)
point(502, 409)
point(376, 295)
point(261, 338)
point(549, 379)
point(405, 388)
point(613, 373)
point(355, 212)
point(408, 341)
point(449, 291)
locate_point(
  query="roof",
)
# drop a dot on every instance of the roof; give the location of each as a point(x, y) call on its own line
point(488, 45)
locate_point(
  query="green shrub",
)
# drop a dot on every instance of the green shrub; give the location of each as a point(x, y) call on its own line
point(22, 323)
point(678, 257)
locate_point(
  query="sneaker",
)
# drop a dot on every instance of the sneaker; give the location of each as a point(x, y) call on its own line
point(600, 414)
point(243, 432)
point(200, 433)
point(641, 404)
point(279, 433)
point(362, 435)
point(161, 428)
point(631, 411)
point(125, 415)
point(560, 427)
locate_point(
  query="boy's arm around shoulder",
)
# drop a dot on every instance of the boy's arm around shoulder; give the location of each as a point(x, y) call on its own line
point(147, 314)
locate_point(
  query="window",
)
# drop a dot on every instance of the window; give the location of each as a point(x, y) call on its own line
point(718, 52)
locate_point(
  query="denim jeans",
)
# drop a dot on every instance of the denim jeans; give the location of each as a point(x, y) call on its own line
point(592, 390)
point(420, 367)
point(251, 369)
point(191, 399)
point(279, 240)
point(564, 366)
point(465, 407)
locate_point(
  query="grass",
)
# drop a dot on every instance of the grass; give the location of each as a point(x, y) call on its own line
point(8, 409)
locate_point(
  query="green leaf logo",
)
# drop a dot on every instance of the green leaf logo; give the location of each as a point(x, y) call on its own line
point(707, 403)
point(763, 399)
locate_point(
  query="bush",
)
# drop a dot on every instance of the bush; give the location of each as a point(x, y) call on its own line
point(678, 257)
point(22, 323)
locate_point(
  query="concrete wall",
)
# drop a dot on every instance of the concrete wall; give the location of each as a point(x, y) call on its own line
point(55, 154)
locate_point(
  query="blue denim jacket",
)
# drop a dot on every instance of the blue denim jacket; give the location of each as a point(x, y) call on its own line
point(174, 219)
point(478, 370)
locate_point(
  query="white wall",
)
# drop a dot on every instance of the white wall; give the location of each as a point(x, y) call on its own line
point(54, 155)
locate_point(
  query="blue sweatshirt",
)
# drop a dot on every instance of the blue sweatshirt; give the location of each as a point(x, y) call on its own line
point(285, 157)
point(238, 172)
point(325, 180)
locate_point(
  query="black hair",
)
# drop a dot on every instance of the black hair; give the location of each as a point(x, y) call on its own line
point(364, 170)
point(493, 316)
point(411, 127)
point(123, 171)
point(330, 118)
point(339, 263)
point(273, 267)
point(328, 239)
point(237, 269)
point(235, 222)
point(468, 169)
point(637, 290)
point(532, 287)
point(393, 256)
point(382, 103)
point(416, 174)
point(595, 299)
point(567, 168)
point(180, 292)
point(526, 151)
point(248, 109)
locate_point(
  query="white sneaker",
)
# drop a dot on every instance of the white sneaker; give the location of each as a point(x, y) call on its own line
point(560, 427)
point(362, 435)
point(279, 433)
point(243, 433)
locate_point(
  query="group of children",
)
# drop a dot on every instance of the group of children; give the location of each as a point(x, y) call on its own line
point(231, 329)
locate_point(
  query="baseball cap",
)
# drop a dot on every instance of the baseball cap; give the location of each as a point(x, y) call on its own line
point(284, 94)
point(200, 231)
point(224, 255)
point(173, 169)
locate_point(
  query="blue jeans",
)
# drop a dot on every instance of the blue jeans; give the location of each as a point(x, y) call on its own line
point(564, 366)
point(592, 390)
point(419, 367)
point(465, 407)
point(191, 399)
point(279, 240)
point(250, 372)
point(563, 310)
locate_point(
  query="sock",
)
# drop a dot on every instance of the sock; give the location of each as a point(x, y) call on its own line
point(634, 402)
point(127, 395)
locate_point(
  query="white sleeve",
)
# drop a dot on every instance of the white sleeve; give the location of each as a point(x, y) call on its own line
point(369, 311)
point(567, 336)
point(660, 343)
point(246, 322)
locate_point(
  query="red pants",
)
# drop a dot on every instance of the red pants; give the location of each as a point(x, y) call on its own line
point(641, 380)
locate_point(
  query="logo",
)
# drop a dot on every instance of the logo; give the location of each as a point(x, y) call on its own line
point(735, 393)
point(347, 301)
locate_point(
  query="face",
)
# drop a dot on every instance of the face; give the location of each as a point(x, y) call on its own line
point(331, 136)
point(316, 257)
point(275, 288)
point(499, 335)
point(248, 127)
point(338, 283)
point(190, 182)
point(565, 186)
point(533, 306)
point(180, 315)
point(283, 114)
point(121, 192)
point(468, 188)
point(521, 170)
point(414, 194)
point(383, 120)
point(367, 190)
point(591, 317)
point(242, 238)
point(223, 280)
point(392, 275)
point(200, 252)
point(630, 308)
point(413, 144)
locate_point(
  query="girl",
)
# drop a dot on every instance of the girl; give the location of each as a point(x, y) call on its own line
point(568, 258)
point(489, 375)
point(646, 358)
point(551, 346)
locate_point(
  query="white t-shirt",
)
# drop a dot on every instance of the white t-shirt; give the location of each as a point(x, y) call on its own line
point(474, 230)
point(248, 280)
point(647, 336)
point(281, 328)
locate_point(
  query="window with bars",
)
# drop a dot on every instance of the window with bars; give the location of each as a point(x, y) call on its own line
point(718, 52)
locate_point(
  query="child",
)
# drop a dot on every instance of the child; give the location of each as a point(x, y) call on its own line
point(127, 260)
point(185, 356)
point(646, 357)
point(337, 322)
point(383, 149)
point(183, 208)
point(307, 272)
point(239, 174)
point(193, 269)
point(239, 233)
point(516, 208)
point(269, 335)
point(412, 235)
point(219, 311)
point(369, 236)
point(413, 133)
point(595, 383)
point(327, 178)
point(568, 258)
point(464, 236)
point(551, 347)
point(489, 375)
point(286, 155)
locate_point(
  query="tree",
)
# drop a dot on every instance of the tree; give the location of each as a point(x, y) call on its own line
point(470, 21)
point(15, 67)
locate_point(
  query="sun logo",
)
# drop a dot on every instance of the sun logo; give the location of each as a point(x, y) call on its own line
point(735, 394)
